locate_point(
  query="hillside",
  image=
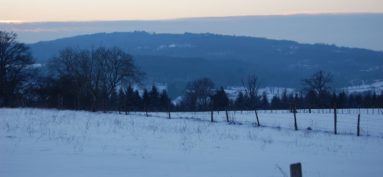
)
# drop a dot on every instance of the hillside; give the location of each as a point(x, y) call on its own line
point(45, 143)
point(177, 58)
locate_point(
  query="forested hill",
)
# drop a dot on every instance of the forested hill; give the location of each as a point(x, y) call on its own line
point(178, 58)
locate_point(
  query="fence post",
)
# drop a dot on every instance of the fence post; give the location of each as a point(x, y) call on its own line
point(335, 120)
point(169, 109)
point(227, 115)
point(256, 115)
point(211, 116)
point(358, 126)
point(296, 170)
point(295, 118)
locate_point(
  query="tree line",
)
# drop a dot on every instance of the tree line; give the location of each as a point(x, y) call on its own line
point(106, 79)
point(200, 95)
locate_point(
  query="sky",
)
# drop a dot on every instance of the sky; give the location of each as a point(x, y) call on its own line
point(94, 10)
point(352, 23)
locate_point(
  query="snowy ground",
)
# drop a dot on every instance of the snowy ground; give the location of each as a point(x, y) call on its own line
point(51, 143)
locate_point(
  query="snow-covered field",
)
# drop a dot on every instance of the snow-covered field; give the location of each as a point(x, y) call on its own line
point(52, 143)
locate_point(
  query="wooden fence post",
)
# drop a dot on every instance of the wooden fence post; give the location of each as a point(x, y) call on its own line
point(295, 118)
point(169, 110)
point(256, 115)
point(211, 116)
point(335, 120)
point(296, 170)
point(227, 115)
point(358, 126)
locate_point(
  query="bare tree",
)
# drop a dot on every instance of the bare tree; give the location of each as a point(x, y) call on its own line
point(73, 65)
point(96, 72)
point(251, 85)
point(198, 93)
point(15, 67)
point(318, 82)
point(317, 88)
point(113, 67)
point(118, 68)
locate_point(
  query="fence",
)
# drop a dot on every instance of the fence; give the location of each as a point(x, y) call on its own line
point(319, 120)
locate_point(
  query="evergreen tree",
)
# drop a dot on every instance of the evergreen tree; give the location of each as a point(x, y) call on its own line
point(311, 100)
point(380, 100)
point(334, 100)
point(275, 102)
point(240, 102)
point(129, 99)
point(264, 101)
point(113, 101)
point(374, 101)
point(154, 99)
point(165, 103)
point(146, 100)
point(220, 100)
point(285, 103)
point(342, 100)
point(367, 100)
point(121, 100)
point(137, 102)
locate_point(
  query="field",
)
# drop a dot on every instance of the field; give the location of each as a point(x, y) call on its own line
point(54, 143)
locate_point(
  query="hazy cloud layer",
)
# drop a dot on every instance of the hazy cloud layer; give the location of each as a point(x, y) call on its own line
point(85, 10)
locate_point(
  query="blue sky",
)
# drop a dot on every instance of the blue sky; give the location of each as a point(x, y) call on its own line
point(91, 10)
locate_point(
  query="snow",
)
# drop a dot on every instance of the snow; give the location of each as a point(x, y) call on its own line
point(270, 92)
point(376, 87)
point(54, 143)
point(173, 45)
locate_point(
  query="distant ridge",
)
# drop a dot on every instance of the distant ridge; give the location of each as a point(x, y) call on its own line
point(178, 58)
point(362, 30)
